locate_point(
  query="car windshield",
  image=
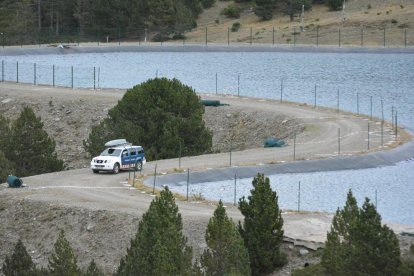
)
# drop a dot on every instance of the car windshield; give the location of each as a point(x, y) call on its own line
point(111, 152)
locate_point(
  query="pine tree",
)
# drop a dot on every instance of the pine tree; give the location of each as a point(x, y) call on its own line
point(226, 253)
point(31, 149)
point(4, 133)
point(6, 167)
point(20, 263)
point(93, 270)
point(159, 247)
point(63, 260)
point(265, 8)
point(164, 116)
point(262, 227)
point(359, 244)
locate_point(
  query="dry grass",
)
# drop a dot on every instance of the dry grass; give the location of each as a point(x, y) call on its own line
point(397, 17)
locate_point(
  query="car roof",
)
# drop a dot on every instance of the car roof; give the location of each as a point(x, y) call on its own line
point(125, 147)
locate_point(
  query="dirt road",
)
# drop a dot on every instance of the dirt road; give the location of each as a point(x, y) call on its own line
point(99, 212)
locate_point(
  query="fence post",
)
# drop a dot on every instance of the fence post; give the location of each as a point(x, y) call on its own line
point(231, 148)
point(188, 181)
point(34, 74)
point(368, 136)
point(299, 198)
point(179, 157)
point(119, 37)
point(53, 76)
point(294, 36)
point(382, 123)
point(392, 117)
point(155, 179)
point(317, 36)
point(370, 113)
point(238, 85)
point(339, 37)
point(206, 36)
point(339, 141)
point(281, 91)
point(17, 72)
point(2, 71)
point(216, 83)
point(251, 36)
point(358, 103)
point(94, 78)
point(405, 38)
point(384, 35)
point(294, 147)
point(362, 37)
point(72, 76)
point(396, 125)
point(337, 102)
point(314, 103)
point(235, 189)
point(228, 36)
point(273, 36)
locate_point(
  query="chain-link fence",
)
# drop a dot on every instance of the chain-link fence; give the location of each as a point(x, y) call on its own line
point(62, 76)
point(344, 36)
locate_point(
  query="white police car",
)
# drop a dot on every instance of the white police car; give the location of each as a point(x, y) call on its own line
point(119, 155)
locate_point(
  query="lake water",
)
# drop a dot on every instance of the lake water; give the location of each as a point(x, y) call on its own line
point(357, 77)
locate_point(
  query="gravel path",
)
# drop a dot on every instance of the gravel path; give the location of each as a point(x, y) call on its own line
point(99, 212)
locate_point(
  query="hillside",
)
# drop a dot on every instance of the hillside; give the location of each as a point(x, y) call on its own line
point(363, 18)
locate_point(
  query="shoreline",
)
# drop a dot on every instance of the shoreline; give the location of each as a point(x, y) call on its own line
point(175, 47)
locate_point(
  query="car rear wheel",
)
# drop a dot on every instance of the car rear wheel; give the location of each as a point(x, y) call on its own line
point(138, 166)
point(115, 170)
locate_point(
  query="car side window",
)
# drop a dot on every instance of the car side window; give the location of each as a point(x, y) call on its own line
point(125, 153)
point(133, 152)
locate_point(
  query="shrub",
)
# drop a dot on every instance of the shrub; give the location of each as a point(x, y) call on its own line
point(334, 5)
point(394, 21)
point(235, 27)
point(369, 6)
point(207, 3)
point(231, 11)
point(164, 116)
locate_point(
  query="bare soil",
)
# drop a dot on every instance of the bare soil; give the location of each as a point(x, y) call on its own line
point(69, 118)
point(395, 16)
point(100, 212)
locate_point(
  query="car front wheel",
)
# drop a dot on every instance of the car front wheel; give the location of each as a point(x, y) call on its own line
point(115, 170)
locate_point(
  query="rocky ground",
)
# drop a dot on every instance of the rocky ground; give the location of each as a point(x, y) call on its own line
point(69, 120)
point(100, 214)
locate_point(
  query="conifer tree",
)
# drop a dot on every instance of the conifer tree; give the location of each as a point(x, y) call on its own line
point(359, 244)
point(162, 115)
point(6, 167)
point(93, 270)
point(226, 253)
point(31, 149)
point(159, 247)
point(4, 133)
point(262, 227)
point(20, 263)
point(63, 260)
